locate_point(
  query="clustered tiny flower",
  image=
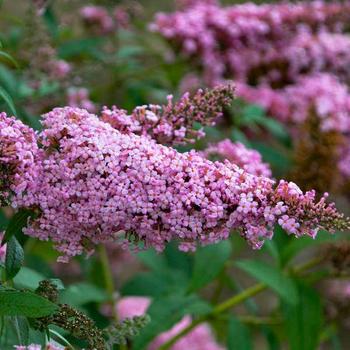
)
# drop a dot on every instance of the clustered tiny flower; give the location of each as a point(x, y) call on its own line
point(95, 184)
point(292, 59)
point(173, 123)
point(248, 159)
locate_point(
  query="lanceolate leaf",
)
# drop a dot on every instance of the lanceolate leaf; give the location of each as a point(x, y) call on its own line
point(8, 100)
point(28, 278)
point(208, 263)
point(21, 327)
point(14, 258)
point(9, 58)
point(23, 303)
point(303, 321)
point(238, 336)
point(273, 277)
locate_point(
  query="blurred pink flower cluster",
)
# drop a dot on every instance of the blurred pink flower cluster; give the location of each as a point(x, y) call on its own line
point(200, 338)
point(93, 183)
point(102, 21)
point(230, 41)
point(79, 98)
point(321, 94)
point(293, 59)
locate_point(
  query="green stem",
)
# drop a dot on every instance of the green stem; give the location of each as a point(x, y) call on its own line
point(308, 265)
point(108, 278)
point(234, 301)
point(237, 299)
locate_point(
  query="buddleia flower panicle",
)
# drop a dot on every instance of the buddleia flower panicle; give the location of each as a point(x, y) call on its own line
point(96, 184)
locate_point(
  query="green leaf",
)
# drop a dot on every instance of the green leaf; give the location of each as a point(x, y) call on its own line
point(129, 52)
point(14, 258)
point(271, 276)
point(152, 260)
point(155, 284)
point(271, 247)
point(296, 246)
point(28, 278)
point(239, 337)
point(276, 156)
point(9, 58)
point(21, 327)
point(178, 260)
point(276, 128)
point(208, 262)
point(16, 224)
point(82, 293)
point(237, 135)
point(24, 303)
point(8, 100)
point(251, 114)
point(303, 321)
point(78, 47)
point(165, 312)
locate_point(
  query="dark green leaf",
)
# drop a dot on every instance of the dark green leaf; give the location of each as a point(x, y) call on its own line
point(24, 303)
point(8, 58)
point(296, 246)
point(82, 293)
point(273, 277)
point(21, 327)
point(155, 284)
point(208, 262)
point(78, 47)
point(8, 100)
point(14, 258)
point(167, 311)
point(303, 321)
point(17, 223)
point(153, 260)
point(271, 247)
point(28, 278)
point(275, 127)
point(178, 260)
point(239, 136)
point(239, 337)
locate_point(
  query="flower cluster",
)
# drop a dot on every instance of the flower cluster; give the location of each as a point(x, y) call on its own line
point(344, 162)
point(79, 97)
point(248, 159)
point(307, 53)
point(317, 110)
point(18, 149)
point(291, 59)
point(95, 184)
point(102, 21)
point(175, 122)
point(200, 338)
point(228, 41)
point(321, 94)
